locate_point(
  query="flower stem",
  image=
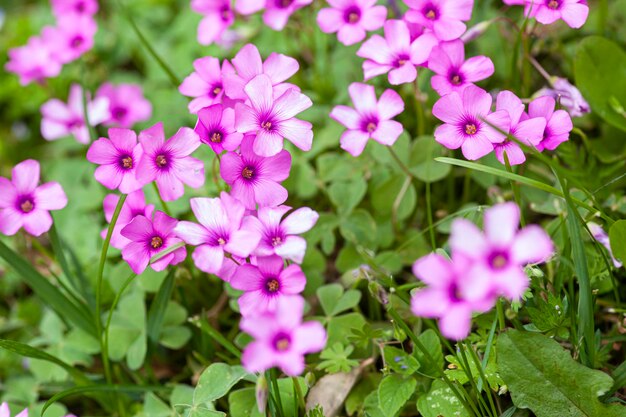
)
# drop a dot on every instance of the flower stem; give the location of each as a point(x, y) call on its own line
point(403, 167)
point(299, 397)
point(429, 216)
point(515, 189)
point(217, 336)
point(274, 382)
point(166, 209)
point(105, 336)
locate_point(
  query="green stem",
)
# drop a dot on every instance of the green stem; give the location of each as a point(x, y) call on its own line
point(217, 336)
point(110, 315)
point(470, 378)
point(276, 390)
point(429, 215)
point(483, 377)
point(299, 396)
point(166, 209)
point(515, 189)
point(403, 167)
point(501, 319)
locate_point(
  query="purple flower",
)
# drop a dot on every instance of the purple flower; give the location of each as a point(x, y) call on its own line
point(255, 179)
point(371, 119)
point(218, 16)
point(206, 83)
point(453, 72)
point(63, 7)
point(118, 158)
point(168, 162)
point(6, 412)
point(573, 12)
point(266, 283)
point(351, 19)
point(395, 54)
point(281, 339)
point(444, 17)
point(72, 37)
point(60, 119)
point(134, 205)
point(216, 128)
point(224, 229)
point(277, 12)
point(280, 237)
point(127, 104)
point(467, 117)
point(497, 257)
point(34, 61)
point(559, 122)
point(567, 95)
point(271, 119)
point(24, 204)
point(602, 237)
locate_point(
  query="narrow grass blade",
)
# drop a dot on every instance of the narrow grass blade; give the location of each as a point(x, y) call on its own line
point(158, 307)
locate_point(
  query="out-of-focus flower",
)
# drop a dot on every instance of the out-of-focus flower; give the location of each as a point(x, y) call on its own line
point(281, 338)
point(351, 19)
point(370, 119)
point(148, 238)
point(602, 237)
point(395, 54)
point(273, 120)
point(127, 105)
point(559, 123)
point(444, 17)
point(61, 8)
point(134, 205)
point(206, 83)
point(266, 283)
point(25, 204)
point(71, 37)
point(118, 157)
point(567, 95)
point(216, 128)
point(218, 16)
point(60, 119)
point(573, 12)
point(255, 179)
point(277, 12)
point(453, 71)
point(224, 229)
point(169, 162)
point(5, 412)
point(33, 61)
point(280, 236)
point(468, 119)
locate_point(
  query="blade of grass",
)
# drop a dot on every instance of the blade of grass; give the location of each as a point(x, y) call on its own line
point(215, 335)
point(159, 305)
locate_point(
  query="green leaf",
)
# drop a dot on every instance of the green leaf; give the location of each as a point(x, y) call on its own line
point(617, 236)
point(347, 195)
point(393, 393)
point(242, 403)
point(600, 70)
point(215, 382)
point(336, 359)
point(158, 307)
point(423, 164)
point(359, 228)
point(383, 197)
point(543, 377)
point(431, 342)
point(440, 401)
point(400, 361)
point(334, 300)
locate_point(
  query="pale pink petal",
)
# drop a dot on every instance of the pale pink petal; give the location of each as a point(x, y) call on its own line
point(257, 356)
point(50, 196)
point(387, 132)
point(476, 101)
point(431, 303)
point(37, 222)
point(298, 132)
point(290, 104)
point(109, 175)
point(374, 18)
point(405, 74)
point(372, 69)
point(260, 93)
point(268, 143)
point(309, 337)
point(575, 15)
point(330, 20)
point(477, 68)
point(347, 116)
point(467, 239)
point(530, 131)
point(11, 221)
point(8, 193)
point(449, 135)
point(280, 67)
point(476, 147)
point(246, 119)
point(277, 167)
point(351, 34)
point(376, 49)
point(190, 171)
point(293, 247)
point(364, 97)
point(183, 143)
point(152, 138)
point(541, 107)
point(137, 257)
point(300, 221)
point(448, 29)
point(456, 323)
point(501, 223)
point(449, 108)
point(268, 193)
point(434, 270)
point(389, 105)
point(25, 176)
point(292, 280)
point(513, 152)
point(247, 278)
point(170, 187)
point(243, 242)
point(208, 259)
point(354, 141)
point(192, 233)
point(532, 245)
point(495, 123)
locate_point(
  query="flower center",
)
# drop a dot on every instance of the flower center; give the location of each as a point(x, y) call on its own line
point(283, 3)
point(217, 90)
point(216, 137)
point(80, 7)
point(456, 79)
point(225, 14)
point(371, 126)
point(27, 205)
point(76, 42)
point(470, 129)
point(119, 113)
point(267, 125)
point(221, 241)
point(553, 4)
point(401, 60)
point(431, 14)
point(276, 241)
point(282, 342)
point(247, 173)
point(127, 162)
point(498, 260)
point(352, 14)
point(161, 161)
point(272, 285)
point(156, 242)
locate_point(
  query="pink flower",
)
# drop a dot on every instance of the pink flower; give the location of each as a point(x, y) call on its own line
point(573, 12)
point(149, 238)
point(277, 12)
point(224, 229)
point(559, 122)
point(443, 297)
point(273, 119)
point(72, 37)
point(134, 205)
point(255, 179)
point(63, 7)
point(24, 204)
point(6, 412)
point(248, 63)
point(118, 158)
point(395, 54)
point(127, 104)
point(281, 339)
point(266, 283)
point(351, 19)
point(444, 17)
point(34, 61)
point(371, 119)
point(568, 96)
point(60, 119)
point(206, 83)
point(453, 72)
point(216, 128)
point(218, 16)
point(499, 255)
point(467, 117)
point(602, 237)
point(281, 237)
point(168, 162)
point(529, 131)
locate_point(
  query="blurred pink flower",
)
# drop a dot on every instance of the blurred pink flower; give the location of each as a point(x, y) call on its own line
point(25, 204)
point(216, 128)
point(33, 61)
point(277, 12)
point(134, 205)
point(567, 95)
point(453, 71)
point(602, 237)
point(127, 105)
point(266, 283)
point(255, 179)
point(218, 16)
point(573, 12)
point(280, 237)
point(224, 229)
point(444, 17)
point(118, 157)
point(72, 37)
point(467, 117)
point(281, 338)
point(168, 162)
point(395, 54)
point(206, 83)
point(559, 123)
point(148, 238)
point(272, 120)
point(5, 412)
point(371, 119)
point(351, 19)
point(60, 119)
point(63, 7)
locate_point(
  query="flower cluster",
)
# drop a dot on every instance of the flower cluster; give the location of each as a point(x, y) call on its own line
point(483, 267)
point(572, 12)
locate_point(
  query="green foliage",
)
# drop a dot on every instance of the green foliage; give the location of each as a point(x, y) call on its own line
point(617, 236)
point(336, 359)
point(393, 393)
point(440, 402)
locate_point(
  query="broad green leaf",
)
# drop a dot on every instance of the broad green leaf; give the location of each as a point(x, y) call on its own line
point(334, 300)
point(158, 307)
point(432, 344)
point(360, 228)
point(440, 401)
point(543, 377)
point(215, 382)
point(617, 236)
point(423, 164)
point(385, 194)
point(400, 361)
point(370, 405)
point(393, 393)
point(242, 403)
point(341, 326)
point(347, 195)
point(153, 406)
